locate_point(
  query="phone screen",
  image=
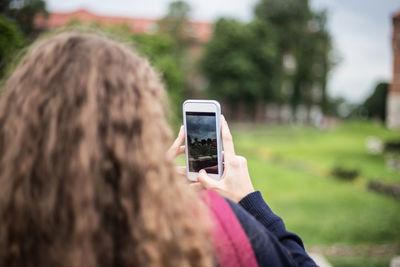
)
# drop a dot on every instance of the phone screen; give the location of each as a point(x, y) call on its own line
point(202, 141)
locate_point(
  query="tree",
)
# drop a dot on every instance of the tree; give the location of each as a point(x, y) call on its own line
point(302, 34)
point(324, 58)
point(239, 62)
point(159, 49)
point(23, 12)
point(289, 17)
point(176, 24)
point(375, 104)
point(4, 6)
point(11, 40)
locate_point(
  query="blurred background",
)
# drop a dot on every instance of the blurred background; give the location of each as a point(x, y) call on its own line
point(311, 90)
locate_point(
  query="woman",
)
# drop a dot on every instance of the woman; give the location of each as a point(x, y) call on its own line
point(84, 176)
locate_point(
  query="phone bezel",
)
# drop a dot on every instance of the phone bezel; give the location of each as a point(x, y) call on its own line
point(213, 106)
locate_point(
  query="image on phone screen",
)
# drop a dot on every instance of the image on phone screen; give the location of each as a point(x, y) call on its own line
point(202, 141)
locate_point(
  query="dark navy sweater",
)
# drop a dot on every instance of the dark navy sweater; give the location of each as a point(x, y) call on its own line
point(271, 243)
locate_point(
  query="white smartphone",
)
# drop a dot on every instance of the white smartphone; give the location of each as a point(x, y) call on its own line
point(202, 121)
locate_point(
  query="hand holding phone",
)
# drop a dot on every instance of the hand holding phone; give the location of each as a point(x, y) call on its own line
point(235, 182)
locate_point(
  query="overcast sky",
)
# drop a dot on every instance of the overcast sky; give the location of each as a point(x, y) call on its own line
point(361, 31)
point(201, 127)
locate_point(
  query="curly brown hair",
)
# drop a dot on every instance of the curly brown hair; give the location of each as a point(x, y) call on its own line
point(84, 177)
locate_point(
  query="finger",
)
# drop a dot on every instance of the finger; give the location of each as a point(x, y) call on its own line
point(229, 151)
point(206, 181)
point(173, 151)
point(179, 140)
point(181, 170)
point(181, 174)
point(181, 150)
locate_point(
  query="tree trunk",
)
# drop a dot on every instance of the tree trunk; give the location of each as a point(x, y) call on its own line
point(296, 95)
point(259, 111)
point(239, 112)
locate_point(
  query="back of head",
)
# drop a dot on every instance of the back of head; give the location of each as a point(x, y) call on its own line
point(84, 180)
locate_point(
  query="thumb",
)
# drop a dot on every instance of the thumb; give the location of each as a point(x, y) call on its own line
point(206, 181)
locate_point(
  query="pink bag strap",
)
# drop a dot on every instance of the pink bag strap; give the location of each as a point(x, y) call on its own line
point(230, 242)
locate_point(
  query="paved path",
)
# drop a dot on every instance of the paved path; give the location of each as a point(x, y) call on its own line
point(373, 251)
point(320, 260)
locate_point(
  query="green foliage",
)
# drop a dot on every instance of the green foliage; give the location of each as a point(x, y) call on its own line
point(325, 59)
point(4, 6)
point(11, 40)
point(176, 23)
point(375, 104)
point(24, 12)
point(338, 107)
point(16, 26)
point(244, 62)
point(159, 48)
point(312, 54)
point(288, 12)
point(200, 150)
point(303, 33)
point(288, 16)
point(344, 173)
point(239, 62)
point(177, 26)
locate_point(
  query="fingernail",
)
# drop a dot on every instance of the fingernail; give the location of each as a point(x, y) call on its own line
point(202, 171)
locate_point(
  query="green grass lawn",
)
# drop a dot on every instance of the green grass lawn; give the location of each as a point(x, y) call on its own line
point(359, 261)
point(317, 149)
point(291, 167)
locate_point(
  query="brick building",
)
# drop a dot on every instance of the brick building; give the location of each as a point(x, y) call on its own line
point(393, 101)
point(201, 31)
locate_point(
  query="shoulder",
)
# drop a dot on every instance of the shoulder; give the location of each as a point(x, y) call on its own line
point(231, 245)
point(266, 246)
point(240, 238)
